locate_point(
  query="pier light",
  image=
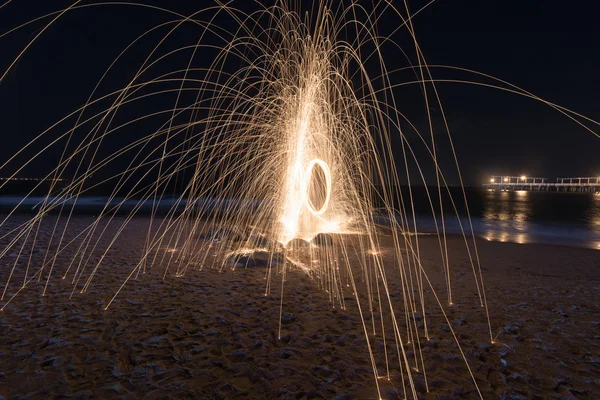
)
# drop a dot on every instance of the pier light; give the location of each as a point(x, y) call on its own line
point(523, 178)
point(492, 180)
point(505, 179)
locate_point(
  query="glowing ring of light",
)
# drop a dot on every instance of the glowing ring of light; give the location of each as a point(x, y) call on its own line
point(308, 177)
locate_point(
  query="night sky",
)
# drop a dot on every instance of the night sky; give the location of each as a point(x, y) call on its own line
point(547, 47)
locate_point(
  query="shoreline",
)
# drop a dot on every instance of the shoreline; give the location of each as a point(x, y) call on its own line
point(568, 234)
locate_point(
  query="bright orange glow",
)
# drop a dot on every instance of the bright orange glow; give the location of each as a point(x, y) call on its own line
point(308, 178)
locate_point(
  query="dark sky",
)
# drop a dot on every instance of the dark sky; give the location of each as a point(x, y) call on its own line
point(547, 47)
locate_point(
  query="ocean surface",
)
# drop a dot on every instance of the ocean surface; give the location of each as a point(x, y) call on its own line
point(569, 219)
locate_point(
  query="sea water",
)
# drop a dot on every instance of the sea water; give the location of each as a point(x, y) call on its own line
point(569, 219)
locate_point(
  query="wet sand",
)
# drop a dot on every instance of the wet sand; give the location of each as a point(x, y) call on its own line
point(214, 335)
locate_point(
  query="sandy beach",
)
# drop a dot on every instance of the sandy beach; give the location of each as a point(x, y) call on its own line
point(213, 334)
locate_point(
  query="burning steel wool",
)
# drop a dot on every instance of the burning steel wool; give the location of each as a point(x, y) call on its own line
point(269, 137)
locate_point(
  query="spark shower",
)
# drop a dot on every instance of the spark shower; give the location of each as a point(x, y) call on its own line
point(284, 136)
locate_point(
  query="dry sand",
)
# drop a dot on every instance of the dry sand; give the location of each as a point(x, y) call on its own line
point(213, 335)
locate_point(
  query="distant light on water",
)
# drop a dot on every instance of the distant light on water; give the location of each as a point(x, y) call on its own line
point(524, 217)
point(521, 238)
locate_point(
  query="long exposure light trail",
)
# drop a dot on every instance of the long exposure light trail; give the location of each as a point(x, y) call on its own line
point(281, 132)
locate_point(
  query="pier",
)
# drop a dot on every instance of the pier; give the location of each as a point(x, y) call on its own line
point(536, 184)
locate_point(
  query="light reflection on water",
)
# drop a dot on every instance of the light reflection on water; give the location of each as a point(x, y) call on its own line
point(509, 213)
point(594, 213)
point(570, 219)
point(533, 217)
